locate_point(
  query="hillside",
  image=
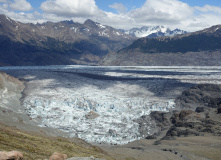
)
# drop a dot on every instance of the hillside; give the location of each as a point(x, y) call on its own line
point(17, 132)
point(197, 48)
point(64, 42)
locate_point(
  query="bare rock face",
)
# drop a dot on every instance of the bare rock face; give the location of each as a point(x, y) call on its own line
point(183, 115)
point(204, 95)
point(198, 114)
point(12, 155)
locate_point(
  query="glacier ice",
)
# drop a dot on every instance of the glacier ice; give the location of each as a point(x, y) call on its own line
point(69, 115)
point(61, 97)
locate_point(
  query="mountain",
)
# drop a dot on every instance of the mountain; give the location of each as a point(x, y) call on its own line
point(197, 48)
point(64, 42)
point(155, 31)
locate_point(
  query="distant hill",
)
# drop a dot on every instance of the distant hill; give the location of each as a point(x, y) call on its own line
point(197, 48)
point(153, 31)
point(64, 42)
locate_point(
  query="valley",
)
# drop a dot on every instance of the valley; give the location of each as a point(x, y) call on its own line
point(94, 90)
point(104, 104)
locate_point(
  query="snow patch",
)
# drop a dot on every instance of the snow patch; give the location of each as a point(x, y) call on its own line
point(101, 26)
point(75, 29)
point(216, 29)
point(8, 19)
point(86, 29)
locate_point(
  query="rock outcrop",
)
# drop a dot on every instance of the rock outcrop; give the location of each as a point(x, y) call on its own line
point(203, 95)
point(198, 115)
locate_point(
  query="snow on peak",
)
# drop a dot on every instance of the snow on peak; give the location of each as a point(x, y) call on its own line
point(101, 26)
point(8, 19)
point(153, 31)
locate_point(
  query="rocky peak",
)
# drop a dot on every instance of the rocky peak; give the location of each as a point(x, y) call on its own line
point(91, 24)
point(68, 21)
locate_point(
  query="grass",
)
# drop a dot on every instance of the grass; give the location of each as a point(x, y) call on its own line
point(210, 154)
point(34, 146)
point(203, 146)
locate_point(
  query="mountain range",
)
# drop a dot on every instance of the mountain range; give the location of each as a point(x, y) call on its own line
point(64, 42)
point(153, 31)
point(91, 43)
point(196, 48)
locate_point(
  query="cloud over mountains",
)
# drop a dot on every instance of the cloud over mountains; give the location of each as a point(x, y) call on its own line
point(170, 13)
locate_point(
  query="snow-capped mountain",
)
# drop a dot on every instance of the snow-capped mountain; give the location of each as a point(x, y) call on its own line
point(155, 31)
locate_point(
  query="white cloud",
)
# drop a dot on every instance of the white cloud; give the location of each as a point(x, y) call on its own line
point(20, 5)
point(162, 11)
point(3, 1)
point(170, 13)
point(209, 8)
point(119, 7)
point(71, 8)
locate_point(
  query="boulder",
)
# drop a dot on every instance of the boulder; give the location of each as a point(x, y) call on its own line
point(12, 155)
point(58, 156)
point(219, 109)
point(92, 115)
point(199, 109)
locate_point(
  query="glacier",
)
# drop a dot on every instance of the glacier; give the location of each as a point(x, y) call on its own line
point(102, 104)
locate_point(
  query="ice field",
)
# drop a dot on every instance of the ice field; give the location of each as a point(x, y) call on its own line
point(102, 104)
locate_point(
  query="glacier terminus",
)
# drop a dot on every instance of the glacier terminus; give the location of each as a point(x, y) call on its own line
point(104, 104)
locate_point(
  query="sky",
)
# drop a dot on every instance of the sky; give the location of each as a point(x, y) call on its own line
point(189, 15)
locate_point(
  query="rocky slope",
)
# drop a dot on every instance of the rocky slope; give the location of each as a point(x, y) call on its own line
point(197, 48)
point(192, 132)
point(18, 132)
point(64, 42)
point(197, 114)
point(10, 94)
point(12, 112)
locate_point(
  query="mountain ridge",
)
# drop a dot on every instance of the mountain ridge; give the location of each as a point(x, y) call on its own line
point(207, 39)
point(153, 31)
point(197, 48)
point(64, 42)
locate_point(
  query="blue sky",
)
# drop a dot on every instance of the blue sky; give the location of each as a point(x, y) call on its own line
point(190, 15)
point(130, 4)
